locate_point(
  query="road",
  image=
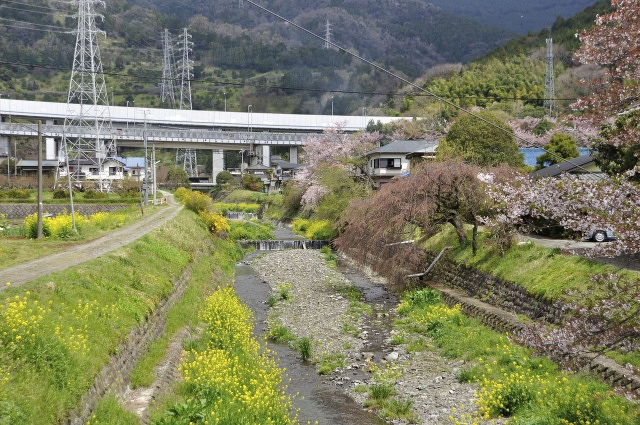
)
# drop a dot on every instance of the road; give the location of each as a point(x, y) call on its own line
point(26, 272)
point(628, 261)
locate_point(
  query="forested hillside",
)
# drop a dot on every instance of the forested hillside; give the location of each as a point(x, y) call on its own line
point(241, 49)
point(243, 55)
point(511, 78)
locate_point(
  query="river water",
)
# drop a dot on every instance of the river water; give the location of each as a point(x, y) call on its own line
point(316, 399)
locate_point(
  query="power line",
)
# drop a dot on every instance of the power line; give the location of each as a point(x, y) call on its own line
point(386, 71)
point(55, 27)
point(2, 6)
point(32, 6)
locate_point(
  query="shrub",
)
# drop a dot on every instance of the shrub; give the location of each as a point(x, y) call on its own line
point(18, 194)
point(300, 225)
point(60, 194)
point(180, 193)
point(215, 222)
point(320, 230)
point(31, 226)
point(94, 194)
point(224, 177)
point(197, 202)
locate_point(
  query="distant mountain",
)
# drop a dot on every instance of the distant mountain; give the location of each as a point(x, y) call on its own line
point(407, 35)
point(520, 16)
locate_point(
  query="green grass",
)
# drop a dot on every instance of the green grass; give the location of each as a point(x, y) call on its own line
point(89, 310)
point(109, 411)
point(329, 362)
point(251, 230)
point(523, 264)
point(279, 333)
point(183, 314)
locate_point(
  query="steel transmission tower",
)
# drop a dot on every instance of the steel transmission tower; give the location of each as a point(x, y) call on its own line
point(186, 157)
point(327, 37)
point(87, 88)
point(167, 89)
point(549, 84)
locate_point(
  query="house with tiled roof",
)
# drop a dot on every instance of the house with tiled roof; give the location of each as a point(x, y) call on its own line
point(396, 158)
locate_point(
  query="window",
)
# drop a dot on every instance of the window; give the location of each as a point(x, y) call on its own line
point(388, 163)
point(112, 171)
point(93, 170)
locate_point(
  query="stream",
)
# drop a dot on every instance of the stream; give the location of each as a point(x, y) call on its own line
point(316, 399)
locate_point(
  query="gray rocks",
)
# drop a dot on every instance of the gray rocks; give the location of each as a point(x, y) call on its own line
point(316, 309)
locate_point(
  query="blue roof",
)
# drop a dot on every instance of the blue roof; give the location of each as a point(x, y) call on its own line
point(132, 162)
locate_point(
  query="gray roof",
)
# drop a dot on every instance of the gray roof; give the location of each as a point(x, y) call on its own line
point(32, 163)
point(567, 166)
point(407, 146)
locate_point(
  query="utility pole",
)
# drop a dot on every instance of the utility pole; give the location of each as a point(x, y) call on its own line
point(39, 234)
point(145, 186)
point(549, 84)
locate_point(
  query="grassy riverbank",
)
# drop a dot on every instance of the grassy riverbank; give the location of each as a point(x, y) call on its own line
point(545, 272)
point(513, 383)
point(60, 330)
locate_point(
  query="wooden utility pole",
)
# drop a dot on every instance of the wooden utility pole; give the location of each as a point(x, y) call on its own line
point(39, 179)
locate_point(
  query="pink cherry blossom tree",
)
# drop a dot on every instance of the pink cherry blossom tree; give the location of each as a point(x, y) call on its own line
point(333, 149)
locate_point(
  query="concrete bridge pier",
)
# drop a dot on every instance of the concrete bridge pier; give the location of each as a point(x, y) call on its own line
point(217, 163)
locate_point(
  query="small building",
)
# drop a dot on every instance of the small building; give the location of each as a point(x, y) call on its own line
point(29, 167)
point(133, 167)
point(396, 158)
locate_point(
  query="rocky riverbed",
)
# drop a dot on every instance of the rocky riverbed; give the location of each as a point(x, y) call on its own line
point(311, 299)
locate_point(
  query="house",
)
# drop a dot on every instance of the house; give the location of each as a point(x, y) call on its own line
point(88, 169)
point(29, 167)
point(396, 158)
point(273, 176)
point(133, 167)
point(584, 166)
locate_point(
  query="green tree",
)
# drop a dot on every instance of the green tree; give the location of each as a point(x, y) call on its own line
point(560, 148)
point(484, 141)
point(177, 177)
point(613, 158)
point(224, 177)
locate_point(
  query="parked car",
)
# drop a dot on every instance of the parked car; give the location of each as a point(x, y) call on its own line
point(601, 235)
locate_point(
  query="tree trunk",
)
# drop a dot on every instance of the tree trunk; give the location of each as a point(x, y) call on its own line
point(474, 240)
point(457, 224)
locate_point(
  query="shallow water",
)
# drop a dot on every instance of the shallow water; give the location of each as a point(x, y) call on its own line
point(316, 400)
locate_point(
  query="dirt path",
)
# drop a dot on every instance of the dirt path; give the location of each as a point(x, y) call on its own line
point(26, 272)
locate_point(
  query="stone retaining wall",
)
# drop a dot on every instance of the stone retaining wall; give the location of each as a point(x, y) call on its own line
point(495, 291)
point(114, 377)
point(19, 211)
